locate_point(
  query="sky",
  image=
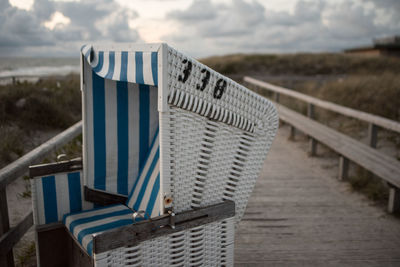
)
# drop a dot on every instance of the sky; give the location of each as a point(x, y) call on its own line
point(200, 28)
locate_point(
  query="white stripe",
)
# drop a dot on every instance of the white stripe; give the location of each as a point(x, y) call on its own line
point(77, 216)
point(111, 135)
point(149, 188)
point(131, 67)
point(133, 127)
point(153, 112)
point(86, 205)
point(117, 67)
point(40, 201)
point(95, 59)
point(85, 49)
point(84, 226)
point(147, 73)
point(143, 175)
point(88, 146)
point(156, 208)
point(106, 63)
point(62, 193)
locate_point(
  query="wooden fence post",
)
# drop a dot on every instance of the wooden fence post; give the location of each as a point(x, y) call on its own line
point(8, 259)
point(394, 199)
point(310, 111)
point(277, 97)
point(372, 135)
point(292, 133)
point(312, 146)
point(343, 168)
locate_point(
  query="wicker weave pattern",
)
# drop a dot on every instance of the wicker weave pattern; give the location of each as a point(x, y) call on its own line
point(206, 245)
point(211, 161)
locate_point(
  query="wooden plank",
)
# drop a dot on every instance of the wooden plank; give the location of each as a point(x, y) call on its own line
point(103, 198)
point(20, 166)
point(9, 239)
point(381, 165)
point(8, 258)
point(370, 118)
point(141, 231)
point(53, 247)
point(300, 215)
point(56, 167)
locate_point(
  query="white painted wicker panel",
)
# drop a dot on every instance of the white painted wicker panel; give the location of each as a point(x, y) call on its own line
point(206, 245)
point(224, 145)
point(186, 130)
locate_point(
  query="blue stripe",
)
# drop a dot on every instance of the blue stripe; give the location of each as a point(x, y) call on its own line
point(99, 65)
point(140, 171)
point(85, 211)
point(50, 199)
point(153, 196)
point(99, 132)
point(123, 137)
point(154, 67)
point(89, 248)
point(124, 67)
point(98, 217)
point(74, 188)
point(103, 227)
point(139, 67)
point(146, 181)
point(111, 57)
point(144, 123)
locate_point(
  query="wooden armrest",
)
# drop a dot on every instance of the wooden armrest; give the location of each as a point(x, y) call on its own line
point(131, 235)
point(56, 167)
point(103, 198)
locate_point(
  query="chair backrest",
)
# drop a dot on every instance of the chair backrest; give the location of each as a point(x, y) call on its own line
point(214, 133)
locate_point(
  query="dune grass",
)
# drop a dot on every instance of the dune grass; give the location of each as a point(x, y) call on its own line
point(302, 64)
point(27, 109)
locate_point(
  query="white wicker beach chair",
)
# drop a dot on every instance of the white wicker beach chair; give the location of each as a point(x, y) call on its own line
point(171, 153)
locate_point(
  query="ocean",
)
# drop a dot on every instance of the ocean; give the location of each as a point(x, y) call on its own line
point(23, 68)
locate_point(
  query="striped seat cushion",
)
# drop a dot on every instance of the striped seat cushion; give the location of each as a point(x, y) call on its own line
point(145, 194)
point(83, 225)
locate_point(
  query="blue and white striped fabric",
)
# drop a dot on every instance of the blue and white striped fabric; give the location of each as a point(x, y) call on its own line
point(135, 67)
point(120, 120)
point(145, 194)
point(56, 195)
point(84, 225)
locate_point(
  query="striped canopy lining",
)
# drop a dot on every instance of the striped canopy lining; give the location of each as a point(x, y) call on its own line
point(135, 67)
point(121, 119)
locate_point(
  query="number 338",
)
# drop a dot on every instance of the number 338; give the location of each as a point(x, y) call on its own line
point(220, 85)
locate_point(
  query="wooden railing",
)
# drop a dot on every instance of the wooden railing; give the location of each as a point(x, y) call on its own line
point(373, 121)
point(348, 149)
point(9, 237)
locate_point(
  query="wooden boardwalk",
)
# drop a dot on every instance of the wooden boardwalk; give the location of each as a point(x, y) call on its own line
point(300, 215)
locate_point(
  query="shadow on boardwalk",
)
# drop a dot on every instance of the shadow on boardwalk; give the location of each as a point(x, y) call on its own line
point(300, 215)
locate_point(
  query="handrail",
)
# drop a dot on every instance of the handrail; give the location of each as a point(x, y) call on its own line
point(20, 166)
point(9, 237)
point(370, 118)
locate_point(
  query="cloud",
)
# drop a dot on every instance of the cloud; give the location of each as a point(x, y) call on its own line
point(312, 25)
point(24, 31)
point(201, 27)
